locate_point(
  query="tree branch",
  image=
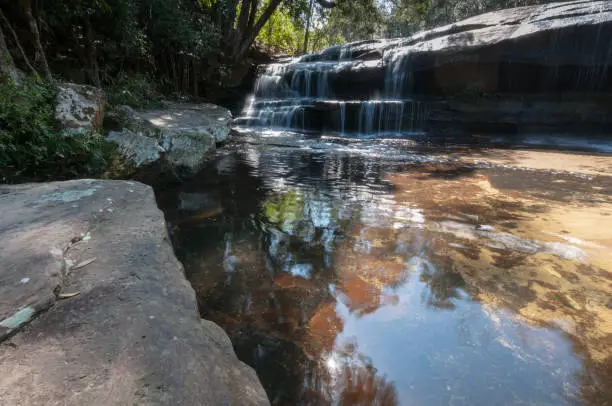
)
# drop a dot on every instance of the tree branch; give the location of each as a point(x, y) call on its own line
point(243, 19)
point(327, 3)
point(253, 32)
point(40, 53)
point(16, 39)
point(252, 14)
point(7, 66)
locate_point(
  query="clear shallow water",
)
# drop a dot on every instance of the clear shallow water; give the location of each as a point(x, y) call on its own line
point(374, 273)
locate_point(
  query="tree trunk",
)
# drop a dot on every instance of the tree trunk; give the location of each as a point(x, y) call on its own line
point(269, 34)
point(92, 54)
point(243, 20)
point(40, 53)
point(18, 44)
point(174, 73)
point(226, 20)
point(249, 37)
point(195, 77)
point(7, 65)
point(239, 46)
point(186, 79)
point(252, 14)
point(246, 21)
point(307, 33)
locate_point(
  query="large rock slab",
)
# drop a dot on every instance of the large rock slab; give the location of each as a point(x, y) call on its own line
point(133, 334)
point(546, 48)
point(79, 108)
point(553, 47)
point(185, 135)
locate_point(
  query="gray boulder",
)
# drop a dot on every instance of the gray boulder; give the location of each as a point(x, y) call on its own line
point(139, 149)
point(184, 135)
point(79, 108)
point(95, 308)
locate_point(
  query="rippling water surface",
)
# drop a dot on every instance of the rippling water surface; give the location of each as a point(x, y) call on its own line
point(378, 273)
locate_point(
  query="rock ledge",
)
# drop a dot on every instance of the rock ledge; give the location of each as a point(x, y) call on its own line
point(132, 334)
point(183, 135)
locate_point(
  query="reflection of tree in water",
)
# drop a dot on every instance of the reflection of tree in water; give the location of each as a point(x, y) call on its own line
point(443, 284)
point(355, 381)
point(363, 387)
point(265, 269)
point(272, 268)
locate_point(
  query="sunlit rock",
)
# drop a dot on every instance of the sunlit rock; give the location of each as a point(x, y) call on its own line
point(79, 108)
point(182, 135)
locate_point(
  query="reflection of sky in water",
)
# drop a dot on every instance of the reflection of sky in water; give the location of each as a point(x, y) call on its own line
point(462, 356)
point(468, 356)
point(365, 263)
point(302, 270)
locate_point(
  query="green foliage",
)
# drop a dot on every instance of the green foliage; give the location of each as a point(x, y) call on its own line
point(282, 34)
point(350, 20)
point(284, 209)
point(94, 41)
point(136, 91)
point(355, 20)
point(31, 145)
point(172, 23)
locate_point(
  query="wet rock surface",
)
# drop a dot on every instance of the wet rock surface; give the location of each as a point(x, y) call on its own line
point(95, 308)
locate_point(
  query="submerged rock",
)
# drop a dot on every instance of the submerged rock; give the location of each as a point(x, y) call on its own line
point(132, 334)
point(183, 135)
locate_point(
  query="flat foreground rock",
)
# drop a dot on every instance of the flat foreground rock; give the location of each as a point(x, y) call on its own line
point(95, 308)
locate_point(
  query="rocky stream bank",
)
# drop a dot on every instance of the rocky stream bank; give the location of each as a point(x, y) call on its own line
point(94, 306)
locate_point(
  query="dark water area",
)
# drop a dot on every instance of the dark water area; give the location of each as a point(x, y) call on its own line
point(373, 273)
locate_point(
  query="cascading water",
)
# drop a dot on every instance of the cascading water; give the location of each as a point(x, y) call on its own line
point(318, 92)
point(398, 77)
point(272, 104)
point(366, 117)
point(342, 110)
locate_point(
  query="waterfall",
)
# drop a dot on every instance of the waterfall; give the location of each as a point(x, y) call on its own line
point(342, 117)
point(319, 92)
point(344, 54)
point(366, 117)
point(310, 80)
point(269, 83)
point(322, 85)
point(391, 116)
point(397, 81)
